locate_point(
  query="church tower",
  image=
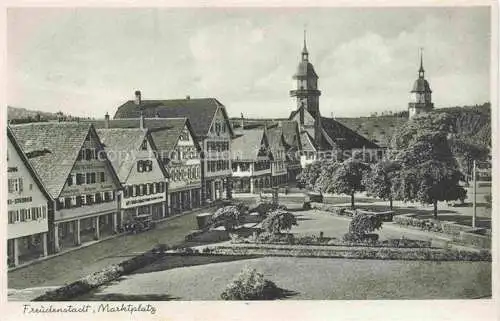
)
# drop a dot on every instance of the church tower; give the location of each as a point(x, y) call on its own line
point(421, 94)
point(307, 93)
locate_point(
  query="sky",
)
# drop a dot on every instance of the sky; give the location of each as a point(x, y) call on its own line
point(87, 62)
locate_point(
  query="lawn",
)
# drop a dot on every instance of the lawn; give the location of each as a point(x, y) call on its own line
point(311, 278)
point(73, 265)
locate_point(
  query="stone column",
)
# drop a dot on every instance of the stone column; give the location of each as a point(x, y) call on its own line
point(169, 204)
point(191, 198)
point(229, 188)
point(122, 214)
point(15, 252)
point(97, 232)
point(214, 192)
point(114, 222)
point(252, 187)
point(44, 244)
point(76, 232)
point(56, 238)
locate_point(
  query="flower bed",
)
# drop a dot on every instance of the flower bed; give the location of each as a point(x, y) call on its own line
point(474, 239)
point(427, 254)
point(290, 239)
point(423, 224)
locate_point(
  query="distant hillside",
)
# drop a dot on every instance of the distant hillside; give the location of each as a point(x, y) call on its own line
point(17, 115)
point(473, 122)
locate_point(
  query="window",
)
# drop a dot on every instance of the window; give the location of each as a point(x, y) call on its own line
point(83, 200)
point(60, 203)
point(70, 180)
point(36, 213)
point(102, 177)
point(79, 179)
point(104, 197)
point(80, 155)
point(13, 187)
point(88, 178)
point(125, 192)
point(153, 188)
point(98, 197)
point(144, 145)
point(88, 156)
point(23, 214)
point(134, 191)
point(13, 217)
point(67, 202)
point(44, 212)
point(73, 201)
point(93, 178)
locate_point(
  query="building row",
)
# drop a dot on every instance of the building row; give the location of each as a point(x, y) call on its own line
point(74, 182)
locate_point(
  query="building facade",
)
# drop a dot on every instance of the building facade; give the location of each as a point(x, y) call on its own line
point(73, 165)
point(27, 205)
point(213, 133)
point(180, 155)
point(251, 161)
point(134, 159)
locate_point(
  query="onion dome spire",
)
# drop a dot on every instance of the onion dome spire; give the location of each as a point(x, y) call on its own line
point(421, 70)
point(305, 53)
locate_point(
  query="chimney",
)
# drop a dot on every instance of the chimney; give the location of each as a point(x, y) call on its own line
point(106, 120)
point(242, 122)
point(138, 97)
point(188, 97)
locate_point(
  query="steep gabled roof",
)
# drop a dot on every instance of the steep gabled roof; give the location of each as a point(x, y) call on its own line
point(11, 136)
point(52, 149)
point(121, 145)
point(247, 145)
point(343, 137)
point(200, 112)
point(166, 138)
point(164, 131)
point(291, 134)
point(307, 142)
point(275, 138)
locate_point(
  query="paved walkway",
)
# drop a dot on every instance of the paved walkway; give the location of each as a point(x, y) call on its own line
point(72, 265)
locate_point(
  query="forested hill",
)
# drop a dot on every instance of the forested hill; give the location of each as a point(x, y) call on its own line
point(471, 122)
point(17, 115)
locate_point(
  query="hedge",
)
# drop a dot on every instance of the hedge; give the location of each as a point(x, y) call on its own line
point(425, 254)
point(99, 278)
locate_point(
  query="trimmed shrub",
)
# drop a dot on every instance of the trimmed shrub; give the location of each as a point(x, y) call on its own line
point(279, 220)
point(361, 224)
point(264, 208)
point(227, 216)
point(250, 285)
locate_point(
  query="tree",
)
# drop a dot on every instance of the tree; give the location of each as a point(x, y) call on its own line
point(310, 174)
point(278, 221)
point(428, 169)
point(227, 216)
point(347, 178)
point(379, 181)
